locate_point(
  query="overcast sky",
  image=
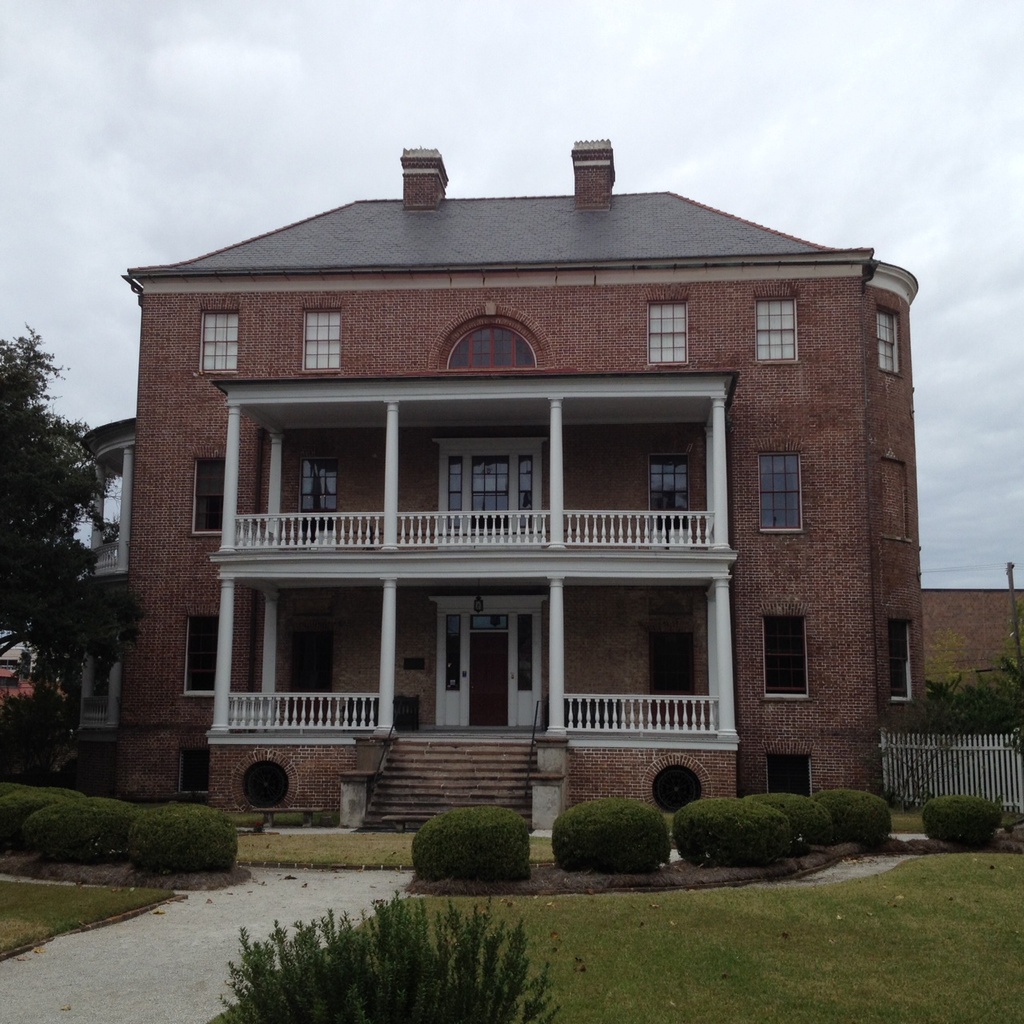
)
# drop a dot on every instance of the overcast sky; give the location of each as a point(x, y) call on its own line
point(139, 133)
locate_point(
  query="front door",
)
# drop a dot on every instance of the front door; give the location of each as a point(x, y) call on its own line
point(488, 678)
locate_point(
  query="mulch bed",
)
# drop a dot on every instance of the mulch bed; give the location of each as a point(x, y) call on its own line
point(545, 879)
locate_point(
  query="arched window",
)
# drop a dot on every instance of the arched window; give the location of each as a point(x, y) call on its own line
point(490, 348)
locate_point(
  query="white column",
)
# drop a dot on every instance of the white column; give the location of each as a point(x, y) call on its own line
point(97, 507)
point(225, 640)
point(231, 456)
point(719, 607)
point(270, 641)
point(556, 657)
point(114, 694)
point(386, 690)
point(556, 483)
point(391, 479)
point(274, 483)
point(712, 642)
point(89, 677)
point(124, 529)
point(720, 488)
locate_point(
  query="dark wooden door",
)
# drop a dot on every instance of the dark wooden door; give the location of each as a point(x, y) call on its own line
point(488, 679)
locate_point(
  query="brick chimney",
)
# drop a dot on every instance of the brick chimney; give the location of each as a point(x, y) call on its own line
point(594, 171)
point(424, 179)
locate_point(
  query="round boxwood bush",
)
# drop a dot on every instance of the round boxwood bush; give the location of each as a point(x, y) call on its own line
point(615, 835)
point(857, 817)
point(728, 832)
point(16, 807)
point(809, 822)
point(182, 837)
point(491, 844)
point(94, 829)
point(971, 820)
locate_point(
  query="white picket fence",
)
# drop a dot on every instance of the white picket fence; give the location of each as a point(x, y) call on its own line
point(916, 767)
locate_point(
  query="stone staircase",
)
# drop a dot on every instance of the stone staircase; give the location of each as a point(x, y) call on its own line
point(425, 777)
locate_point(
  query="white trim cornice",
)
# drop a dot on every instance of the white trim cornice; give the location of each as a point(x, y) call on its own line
point(894, 279)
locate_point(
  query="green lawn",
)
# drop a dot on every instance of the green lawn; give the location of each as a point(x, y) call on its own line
point(940, 939)
point(31, 912)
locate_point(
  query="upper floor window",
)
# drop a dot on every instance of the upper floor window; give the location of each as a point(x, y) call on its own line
point(666, 332)
point(201, 652)
point(319, 485)
point(323, 341)
point(780, 491)
point(671, 662)
point(776, 329)
point(220, 341)
point(208, 513)
point(490, 474)
point(669, 488)
point(785, 659)
point(888, 351)
point(492, 348)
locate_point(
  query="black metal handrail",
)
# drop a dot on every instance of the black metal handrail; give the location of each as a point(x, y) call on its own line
point(533, 744)
point(385, 747)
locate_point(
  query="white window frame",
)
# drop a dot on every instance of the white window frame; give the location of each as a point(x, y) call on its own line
point(466, 448)
point(908, 692)
point(771, 321)
point(887, 331)
point(220, 342)
point(321, 346)
point(656, 316)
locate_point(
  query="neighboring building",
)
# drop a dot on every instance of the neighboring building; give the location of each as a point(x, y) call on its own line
point(12, 680)
point(966, 632)
point(626, 467)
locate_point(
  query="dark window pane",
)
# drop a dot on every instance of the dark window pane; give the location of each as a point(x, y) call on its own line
point(671, 662)
point(899, 658)
point(209, 504)
point(525, 677)
point(194, 771)
point(201, 655)
point(789, 773)
point(491, 347)
point(668, 482)
point(312, 659)
point(452, 651)
point(780, 492)
point(785, 669)
point(319, 485)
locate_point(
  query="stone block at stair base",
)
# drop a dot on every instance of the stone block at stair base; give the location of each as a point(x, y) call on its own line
point(353, 800)
point(548, 803)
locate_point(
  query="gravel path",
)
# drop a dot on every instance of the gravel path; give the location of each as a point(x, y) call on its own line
point(170, 967)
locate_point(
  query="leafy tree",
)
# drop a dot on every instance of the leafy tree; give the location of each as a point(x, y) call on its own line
point(36, 732)
point(48, 599)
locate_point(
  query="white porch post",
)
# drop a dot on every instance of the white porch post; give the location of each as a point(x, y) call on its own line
point(231, 455)
point(97, 506)
point(718, 606)
point(89, 677)
point(556, 657)
point(225, 638)
point(720, 488)
point(114, 694)
point(386, 709)
point(555, 488)
point(124, 529)
point(274, 483)
point(391, 479)
point(270, 641)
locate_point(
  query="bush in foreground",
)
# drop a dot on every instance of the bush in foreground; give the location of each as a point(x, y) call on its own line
point(971, 820)
point(16, 807)
point(615, 835)
point(84, 831)
point(809, 822)
point(182, 837)
point(393, 969)
point(857, 817)
point(490, 844)
point(728, 832)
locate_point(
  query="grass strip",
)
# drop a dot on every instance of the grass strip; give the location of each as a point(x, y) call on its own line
point(31, 912)
point(937, 940)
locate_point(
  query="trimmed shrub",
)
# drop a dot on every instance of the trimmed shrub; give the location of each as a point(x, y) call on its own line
point(971, 820)
point(6, 788)
point(85, 831)
point(16, 807)
point(491, 844)
point(809, 823)
point(182, 837)
point(728, 832)
point(615, 835)
point(857, 817)
point(394, 968)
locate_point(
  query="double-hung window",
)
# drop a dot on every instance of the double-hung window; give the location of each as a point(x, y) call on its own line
point(780, 491)
point(899, 659)
point(220, 341)
point(668, 492)
point(776, 329)
point(785, 658)
point(201, 653)
point(888, 351)
point(208, 513)
point(323, 341)
point(666, 332)
point(319, 485)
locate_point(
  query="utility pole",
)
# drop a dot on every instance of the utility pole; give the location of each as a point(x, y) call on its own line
point(1015, 619)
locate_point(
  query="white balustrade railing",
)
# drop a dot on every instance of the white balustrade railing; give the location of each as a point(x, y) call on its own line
point(304, 530)
point(350, 711)
point(361, 530)
point(94, 712)
point(606, 712)
point(106, 558)
point(639, 529)
point(445, 529)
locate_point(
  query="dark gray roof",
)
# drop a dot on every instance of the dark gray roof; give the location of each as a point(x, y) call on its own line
point(540, 231)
